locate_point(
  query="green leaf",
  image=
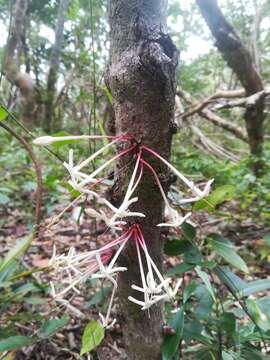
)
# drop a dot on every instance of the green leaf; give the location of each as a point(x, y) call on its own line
point(171, 342)
point(8, 331)
point(99, 296)
point(218, 196)
point(227, 322)
point(193, 331)
point(205, 278)
point(238, 286)
point(32, 300)
point(260, 318)
point(73, 192)
point(253, 354)
point(50, 327)
point(92, 336)
point(26, 288)
point(264, 304)
point(17, 250)
point(227, 356)
point(253, 287)
point(4, 199)
point(205, 303)
point(189, 231)
point(3, 113)
point(227, 277)
point(177, 247)
point(189, 290)
point(193, 256)
point(180, 269)
point(15, 342)
point(266, 238)
point(227, 250)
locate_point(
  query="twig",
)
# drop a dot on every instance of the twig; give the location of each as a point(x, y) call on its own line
point(28, 132)
point(38, 171)
point(57, 217)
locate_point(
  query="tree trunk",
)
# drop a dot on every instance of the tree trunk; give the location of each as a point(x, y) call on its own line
point(141, 77)
point(240, 61)
point(54, 66)
point(22, 80)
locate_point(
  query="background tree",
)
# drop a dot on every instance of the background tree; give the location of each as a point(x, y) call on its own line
point(54, 66)
point(239, 59)
point(14, 49)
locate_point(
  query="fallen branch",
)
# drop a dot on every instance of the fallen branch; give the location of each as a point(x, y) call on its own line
point(212, 147)
point(247, 102)
point(209, 115)
point(218, 95)
point(225, 124)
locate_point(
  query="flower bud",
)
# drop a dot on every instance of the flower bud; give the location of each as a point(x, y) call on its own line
point(43, 140)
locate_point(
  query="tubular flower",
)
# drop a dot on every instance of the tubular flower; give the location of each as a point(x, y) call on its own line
point(198, 194)
point(154, 287)
point(175, 219)
point(48, 140)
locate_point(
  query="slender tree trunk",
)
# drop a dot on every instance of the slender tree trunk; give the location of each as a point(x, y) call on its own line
point(13, 73)
point(54, 66)
point(255, 33)
point(240, 60)
point(141, 77)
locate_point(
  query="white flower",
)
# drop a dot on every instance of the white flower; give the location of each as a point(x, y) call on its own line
point(154, 287)
point(47, 140)
point(107, 272)
point(123, 210)
point(174, 218)
point(78, 179)
point(89, 179)
point(105, 320)
point(114, 225)
point(199, 194)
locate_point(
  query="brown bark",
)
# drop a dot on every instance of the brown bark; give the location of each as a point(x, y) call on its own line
point(141, 78)
point(12, 65)
point(54, 66)
point(239, 59)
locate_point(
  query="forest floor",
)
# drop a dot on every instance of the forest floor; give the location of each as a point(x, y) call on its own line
point(66, 343)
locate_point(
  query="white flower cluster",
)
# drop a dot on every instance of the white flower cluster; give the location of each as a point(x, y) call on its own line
point(101, 264)
point(74, 269)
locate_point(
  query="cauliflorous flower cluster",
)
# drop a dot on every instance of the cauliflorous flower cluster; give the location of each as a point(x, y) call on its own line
point(75, 268)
